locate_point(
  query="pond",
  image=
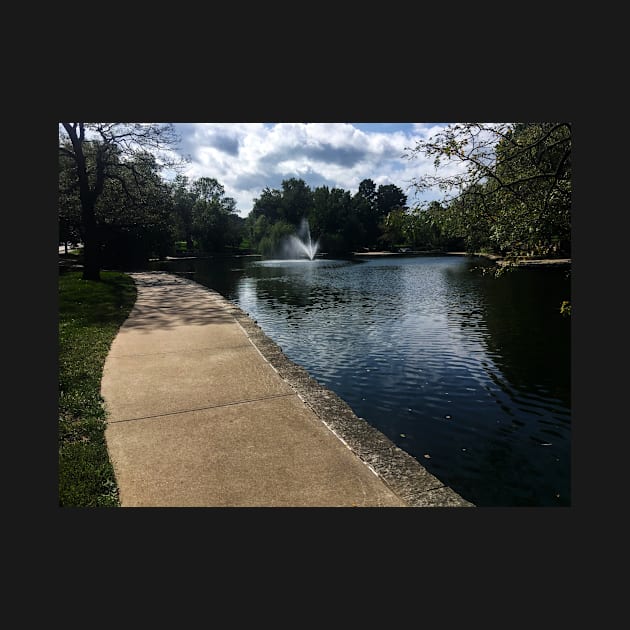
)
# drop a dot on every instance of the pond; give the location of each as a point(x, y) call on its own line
point(468, 373)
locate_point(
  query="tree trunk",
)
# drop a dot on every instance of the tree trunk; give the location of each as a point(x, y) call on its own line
point(91, 253)
point(88, 196)
point(91, 268)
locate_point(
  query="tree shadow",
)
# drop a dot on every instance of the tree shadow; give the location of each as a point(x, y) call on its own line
point(165, 301)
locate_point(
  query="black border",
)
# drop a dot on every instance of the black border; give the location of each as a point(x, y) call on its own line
point(427, 88)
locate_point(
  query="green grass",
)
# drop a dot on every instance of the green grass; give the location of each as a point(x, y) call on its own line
point(90, 314)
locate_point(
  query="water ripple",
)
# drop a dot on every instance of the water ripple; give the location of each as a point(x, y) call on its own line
point(436, 357)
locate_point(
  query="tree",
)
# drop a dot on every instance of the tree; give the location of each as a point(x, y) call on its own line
point(331, 219)
point(269, 205)
point(114, 148)
point(69, 206)
point(508, 183)
point(271, 243)
point(534, 165)
point(367, 191)
point(135, 215)
point(297, 200)
point(235, 231)
point(395, 228)
point(471, 219)
point(389, 197)
point(286, 207)
point(210, 213)
point(341, 222)
point(365, 208)
point(391, 203)
point(183, 202)
point(429, 229)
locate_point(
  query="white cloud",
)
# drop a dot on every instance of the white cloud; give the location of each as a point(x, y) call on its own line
point(247, 157)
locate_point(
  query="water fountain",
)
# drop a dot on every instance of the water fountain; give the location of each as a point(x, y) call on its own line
point(301, 243)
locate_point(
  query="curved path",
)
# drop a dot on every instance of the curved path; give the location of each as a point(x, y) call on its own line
point(204, 410)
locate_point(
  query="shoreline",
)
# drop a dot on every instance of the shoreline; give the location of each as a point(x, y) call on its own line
point(521, 261)
point(524, 261)
point(70, 262)
point(402, 472)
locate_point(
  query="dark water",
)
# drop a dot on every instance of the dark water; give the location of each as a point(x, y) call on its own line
point(468, 373)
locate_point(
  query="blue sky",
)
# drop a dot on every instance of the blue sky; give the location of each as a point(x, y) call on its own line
point(247, 157)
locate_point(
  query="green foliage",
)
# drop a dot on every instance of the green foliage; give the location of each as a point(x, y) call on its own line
point(110, 174)
point(270, 245)
point(183, 202)
point(396, 226)
point(205, 215)
point(268, 205)
point(365, 209)
point(297, 200)
point(341, 222)
point(533, 189)
point(133, 217)
point(388, 198)
point(511, 189)
point(69, 205)
point(90, 314)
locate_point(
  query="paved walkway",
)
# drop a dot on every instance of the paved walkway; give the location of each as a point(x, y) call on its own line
point(199, 417)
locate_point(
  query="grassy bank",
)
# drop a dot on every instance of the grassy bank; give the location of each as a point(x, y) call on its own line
point(90, 314)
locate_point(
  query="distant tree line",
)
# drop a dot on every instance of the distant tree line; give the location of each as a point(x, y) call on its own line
point(511, 195)
point(341, 222)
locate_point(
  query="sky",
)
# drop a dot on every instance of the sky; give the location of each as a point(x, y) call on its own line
point(245, 158)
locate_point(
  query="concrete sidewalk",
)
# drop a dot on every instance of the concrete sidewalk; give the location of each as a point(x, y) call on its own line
point(199, 415)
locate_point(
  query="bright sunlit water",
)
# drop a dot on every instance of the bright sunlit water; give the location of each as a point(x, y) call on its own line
point(470, 374)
